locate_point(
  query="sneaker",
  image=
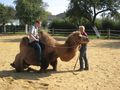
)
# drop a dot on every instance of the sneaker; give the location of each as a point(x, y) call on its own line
point(86, 69)
point(81, 69)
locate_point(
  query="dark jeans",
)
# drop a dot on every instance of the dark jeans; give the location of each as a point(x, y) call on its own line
point(83, 58)
point(38, 50)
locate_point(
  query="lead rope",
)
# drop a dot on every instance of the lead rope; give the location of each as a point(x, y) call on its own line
point(75, 65)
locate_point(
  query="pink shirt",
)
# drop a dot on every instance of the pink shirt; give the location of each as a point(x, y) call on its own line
point(84, 33)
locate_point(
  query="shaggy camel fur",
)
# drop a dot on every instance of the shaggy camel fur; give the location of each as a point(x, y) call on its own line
point(25, 57)
point(54, 49)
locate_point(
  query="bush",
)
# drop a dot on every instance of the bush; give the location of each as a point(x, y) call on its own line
point(61, 24)
point(44, 24)
point(107, 24)
point(117, 26)
point(98, 24)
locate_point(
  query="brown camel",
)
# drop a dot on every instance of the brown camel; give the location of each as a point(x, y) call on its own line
point(54, 49)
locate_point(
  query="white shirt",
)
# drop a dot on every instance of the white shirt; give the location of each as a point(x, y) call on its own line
point(34, 32)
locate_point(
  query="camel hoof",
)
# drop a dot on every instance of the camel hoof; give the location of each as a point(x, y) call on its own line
point(42, 71)
point(30, 69)
point(54, 69)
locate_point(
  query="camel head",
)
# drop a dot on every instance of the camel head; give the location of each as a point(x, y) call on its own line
point(14, 65)
point(84, 39)
point(17, 63)
point(76, 38)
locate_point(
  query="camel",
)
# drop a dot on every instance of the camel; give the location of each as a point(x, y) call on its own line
point(52, 50)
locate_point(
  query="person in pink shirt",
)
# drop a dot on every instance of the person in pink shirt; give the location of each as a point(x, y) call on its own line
point(83, 57)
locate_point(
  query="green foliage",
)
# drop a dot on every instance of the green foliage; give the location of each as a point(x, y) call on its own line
point(6, 13)
point(98, 23)
point(29, 10)
point(61, 24)
point(107, 24)
point(44, 23)
point(89, 9)
point(117, 26)
point(101, 24)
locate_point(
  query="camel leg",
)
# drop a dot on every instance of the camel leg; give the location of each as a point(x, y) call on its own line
point(54, 65)
point(19, 67)
point(44, 64)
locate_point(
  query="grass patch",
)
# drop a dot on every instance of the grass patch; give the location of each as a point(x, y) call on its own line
point(12, 33)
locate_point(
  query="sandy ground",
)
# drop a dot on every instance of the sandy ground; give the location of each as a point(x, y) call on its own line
point(104, 73)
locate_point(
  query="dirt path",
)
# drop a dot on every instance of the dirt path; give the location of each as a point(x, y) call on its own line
point(104, 73)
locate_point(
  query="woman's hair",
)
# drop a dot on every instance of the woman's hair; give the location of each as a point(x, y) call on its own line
point(82, 28)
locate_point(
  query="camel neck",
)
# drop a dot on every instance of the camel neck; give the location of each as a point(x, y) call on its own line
point(71, 47)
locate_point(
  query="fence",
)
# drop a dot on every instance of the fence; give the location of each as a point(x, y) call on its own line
point(108, 33)
point(61, 31)
point(12, 29)
point(113, 33)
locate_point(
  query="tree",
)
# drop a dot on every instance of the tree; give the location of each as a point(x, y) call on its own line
point(6, 13)
point(29, 10)
point(89, 9)
point(45, 19)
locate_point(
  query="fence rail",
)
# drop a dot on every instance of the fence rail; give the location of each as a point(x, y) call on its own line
point(61, 31)
point(12, 29)
point(109, 33)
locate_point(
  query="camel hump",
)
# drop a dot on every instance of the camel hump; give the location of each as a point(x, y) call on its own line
point(24, 42)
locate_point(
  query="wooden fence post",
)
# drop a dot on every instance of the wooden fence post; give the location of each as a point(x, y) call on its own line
point(26, 28)
point(4, 28)
point(53, 31)
point(108, 33)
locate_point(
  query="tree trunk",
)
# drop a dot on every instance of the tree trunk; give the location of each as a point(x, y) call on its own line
point(94, 26)
point(4, 28)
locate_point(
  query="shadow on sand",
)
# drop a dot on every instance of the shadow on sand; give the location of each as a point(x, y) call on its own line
point(34, 75)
